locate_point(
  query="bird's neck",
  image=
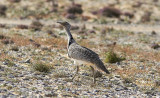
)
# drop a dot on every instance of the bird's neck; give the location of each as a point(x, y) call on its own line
point(68, 33)
point(70, 37)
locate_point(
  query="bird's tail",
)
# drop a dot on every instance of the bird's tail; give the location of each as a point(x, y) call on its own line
point(107, 72)
point(101, 67)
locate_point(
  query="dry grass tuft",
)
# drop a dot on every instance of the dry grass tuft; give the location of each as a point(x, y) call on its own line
point(86, 43)
point(9, 63)
point(3, 36)
point(14, 48)
point(4, 56)
point(7, 41)
point(1, 46)
point(20, 40)
point(56, 42)
point(129, 51)
point(112, 57)
point(36, 25)
point(41, 67)
point(60, 75)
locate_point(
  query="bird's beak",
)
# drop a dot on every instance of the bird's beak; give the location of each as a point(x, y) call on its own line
point(59, 22)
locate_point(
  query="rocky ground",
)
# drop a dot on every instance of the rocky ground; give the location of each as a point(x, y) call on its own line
point(33, 52)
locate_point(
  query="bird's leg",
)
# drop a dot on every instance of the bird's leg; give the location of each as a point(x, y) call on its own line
point(77, 69)
point(94, 79)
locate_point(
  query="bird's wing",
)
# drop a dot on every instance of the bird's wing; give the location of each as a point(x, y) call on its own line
point(78, 52)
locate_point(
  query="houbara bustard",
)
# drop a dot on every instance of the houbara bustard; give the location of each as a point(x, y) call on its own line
point(82, 55)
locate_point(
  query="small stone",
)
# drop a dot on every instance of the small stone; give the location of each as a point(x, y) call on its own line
point(146, 17)
point(1, 79)
point(57, 65)
point(88, 92)
point(36, 25)
point(153, 33)
point(67, 89)
point(133, 85)
point(1, 69)
point(3, 91)
point(130, 15)
point(118, 63)
point(119, 88)
point(3, 9)
point(65, 95)
point(45, 48)
point(36, 44)
point(85, 18)
point(54, 9)
point(24, 89)
point(2, 25)
point(96, 90)
point(50, 94)
point(154, 46)
point(11, 76)
point(20, 75)
point(85, 74)
point(108, 11)
point(141, 67)
point(3, 36)
point(158, 93)
point(157, 83)
point(150, 92)
point(81, 31)
point(117, 76)
point(105, 96)
point(5, 63)
point(31, 40)
point(91, 31)
point(26, 78)
point(14, 1)
point(15, 48)
point(13, 96)
point(70, 16)
point(27, 61)
point(22, 26)
point(3, 96)
point(51, 33)
point(75, 9)
point(7, 41)
point(74, 27)
point(133, 97)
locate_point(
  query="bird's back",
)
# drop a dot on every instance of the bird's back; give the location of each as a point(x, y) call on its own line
point(78, 52)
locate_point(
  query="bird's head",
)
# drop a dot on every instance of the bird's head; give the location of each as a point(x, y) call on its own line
point(65, 24)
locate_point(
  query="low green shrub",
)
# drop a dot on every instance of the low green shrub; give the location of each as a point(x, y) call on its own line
point(111, 57)
point(41, 67)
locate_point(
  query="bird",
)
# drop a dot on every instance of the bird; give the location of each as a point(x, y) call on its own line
point(82, 55)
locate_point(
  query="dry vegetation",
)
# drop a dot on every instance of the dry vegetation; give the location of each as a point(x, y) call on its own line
point(141, 54)
point(35, 41)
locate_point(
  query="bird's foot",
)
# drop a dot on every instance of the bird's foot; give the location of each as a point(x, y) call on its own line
point(77, 69)
point(93, 85)
point(69, 80)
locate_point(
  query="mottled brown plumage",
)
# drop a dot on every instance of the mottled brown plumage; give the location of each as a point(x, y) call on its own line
point(80, 53)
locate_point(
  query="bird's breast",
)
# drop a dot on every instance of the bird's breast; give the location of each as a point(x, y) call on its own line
point(80, 62)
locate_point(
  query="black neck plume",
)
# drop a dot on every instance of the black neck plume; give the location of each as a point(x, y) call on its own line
point(70, 37)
